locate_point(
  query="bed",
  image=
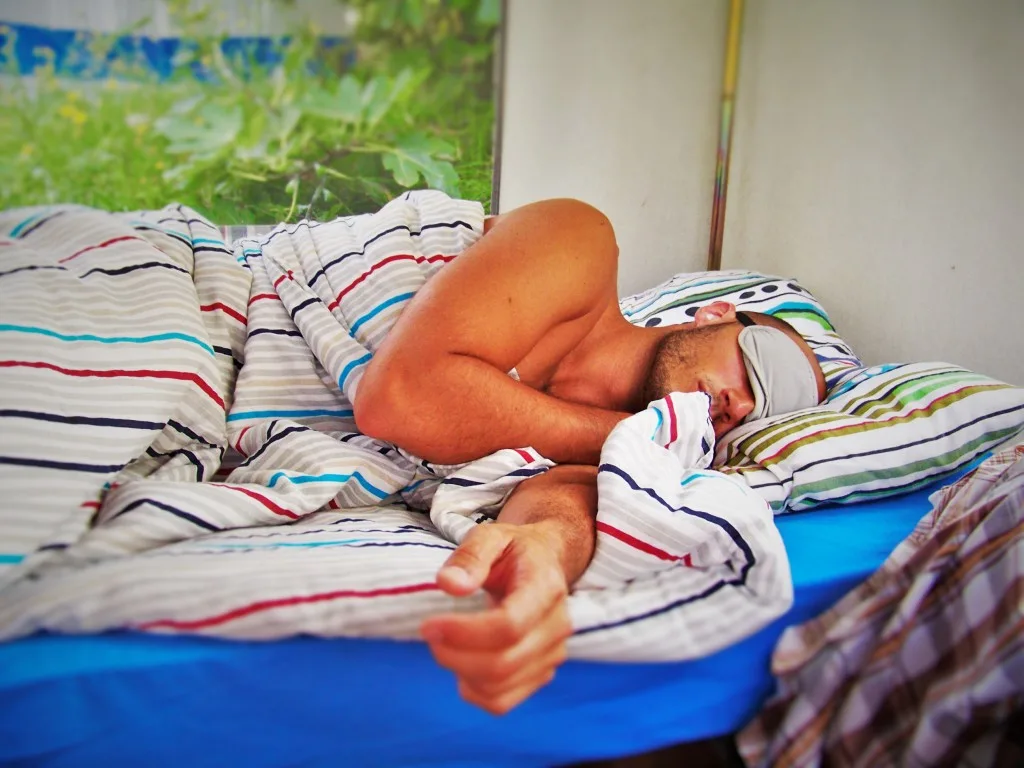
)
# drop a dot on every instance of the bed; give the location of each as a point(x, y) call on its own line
point(130, 698)
point(846, 482)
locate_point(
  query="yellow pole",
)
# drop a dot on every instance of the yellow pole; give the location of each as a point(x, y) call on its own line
point(732, 62)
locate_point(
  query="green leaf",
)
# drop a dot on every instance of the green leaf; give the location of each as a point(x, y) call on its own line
point(287, 119)
point(382, 93)
point(344, 104)
point(388, 13)
point(211, 129)
point(254, 130)
point(185, 106)
point(413, 14)
point(405, 170)
point(376, 99)
point(350, 98)
point(414, 157)
point(488, 12)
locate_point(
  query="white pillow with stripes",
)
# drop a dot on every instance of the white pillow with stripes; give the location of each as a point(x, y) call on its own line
point(881, 431)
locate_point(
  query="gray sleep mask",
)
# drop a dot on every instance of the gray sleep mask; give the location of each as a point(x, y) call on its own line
point(781, 376)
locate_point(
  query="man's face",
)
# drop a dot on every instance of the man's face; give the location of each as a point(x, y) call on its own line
point(704, 359)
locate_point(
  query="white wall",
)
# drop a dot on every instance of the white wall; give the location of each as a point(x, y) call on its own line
point(879, 158)
point(616, 103)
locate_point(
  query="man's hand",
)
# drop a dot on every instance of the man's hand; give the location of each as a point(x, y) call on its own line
point(526, 561)
point(502, 655)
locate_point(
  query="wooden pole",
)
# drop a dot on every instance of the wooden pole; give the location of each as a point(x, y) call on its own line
point(732, 60)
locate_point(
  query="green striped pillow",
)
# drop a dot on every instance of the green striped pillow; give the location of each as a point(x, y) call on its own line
point(881, 431)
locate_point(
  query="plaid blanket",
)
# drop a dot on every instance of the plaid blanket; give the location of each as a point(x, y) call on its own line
point(922, 664)
point(136, 349)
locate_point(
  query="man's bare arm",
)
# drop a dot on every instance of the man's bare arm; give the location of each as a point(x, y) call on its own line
point(438, 385)
point(561, 504)
point(462, 409)
point(527, 560)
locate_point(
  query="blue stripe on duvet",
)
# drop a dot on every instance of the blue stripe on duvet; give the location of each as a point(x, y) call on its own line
point(11, 559)
point(107, 339)
point(17, 229)
point(299, 413)
point(347, 370)
point(286, 544)
point(661, 420)
point(329, 478)
point(378, 309)
point(696, 474)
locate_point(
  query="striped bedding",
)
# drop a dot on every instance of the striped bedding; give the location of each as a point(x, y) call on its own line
point(136, 351)
point(882, 430)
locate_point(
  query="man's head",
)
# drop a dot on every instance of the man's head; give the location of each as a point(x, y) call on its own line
point(751, 366)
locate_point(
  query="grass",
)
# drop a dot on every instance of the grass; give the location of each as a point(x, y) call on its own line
point(281, 146)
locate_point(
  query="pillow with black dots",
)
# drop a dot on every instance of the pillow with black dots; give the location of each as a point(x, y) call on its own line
point(678, 299)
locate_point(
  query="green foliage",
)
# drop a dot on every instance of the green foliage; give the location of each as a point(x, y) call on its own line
point(415, 110)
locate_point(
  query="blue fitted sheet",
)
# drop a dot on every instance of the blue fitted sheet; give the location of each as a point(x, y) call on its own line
point(133, 699)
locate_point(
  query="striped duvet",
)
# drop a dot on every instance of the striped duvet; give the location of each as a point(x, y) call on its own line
point(136, 351)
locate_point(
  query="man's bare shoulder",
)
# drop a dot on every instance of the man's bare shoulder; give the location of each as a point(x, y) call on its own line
point(538, 266)
point(563, 241)
point(557, 216)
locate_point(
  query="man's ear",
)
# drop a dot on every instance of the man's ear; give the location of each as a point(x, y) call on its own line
point(714, 313)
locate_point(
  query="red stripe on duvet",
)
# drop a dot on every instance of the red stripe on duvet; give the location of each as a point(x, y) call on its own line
point(284, 602)
point(225, 309)
point(117, 373)
point(526, 455)
point(259, 296)
point(673, 424)
point(238, 442)
point(381, 263)
point(643, 546)
point(104, 244)
point(277, 510)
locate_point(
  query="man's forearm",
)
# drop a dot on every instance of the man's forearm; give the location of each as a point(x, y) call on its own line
point(561, 504)
point(463, 409)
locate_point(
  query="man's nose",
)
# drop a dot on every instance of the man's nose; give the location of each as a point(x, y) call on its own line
point(734, 406)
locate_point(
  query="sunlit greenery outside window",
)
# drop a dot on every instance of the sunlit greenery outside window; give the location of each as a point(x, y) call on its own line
point(409, 103)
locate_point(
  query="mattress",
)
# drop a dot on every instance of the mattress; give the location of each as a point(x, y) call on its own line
point(126, 698)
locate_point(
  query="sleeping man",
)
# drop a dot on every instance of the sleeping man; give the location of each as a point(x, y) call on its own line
point(527, 347)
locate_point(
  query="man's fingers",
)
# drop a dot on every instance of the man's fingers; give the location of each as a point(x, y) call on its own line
point(499, 680)
point(506, 624)
point(505, 701)
point(532, 671)
point(493, 629)
point(545, 645)
point(468, 567)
